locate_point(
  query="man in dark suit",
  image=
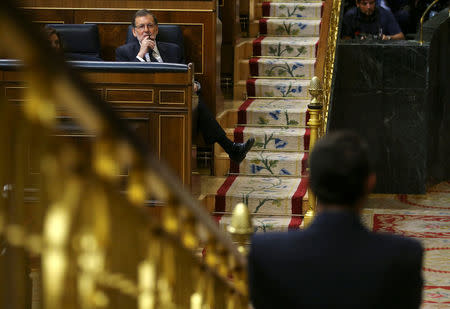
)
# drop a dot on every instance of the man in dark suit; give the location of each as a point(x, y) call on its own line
point(336, 262)
point(148, 49)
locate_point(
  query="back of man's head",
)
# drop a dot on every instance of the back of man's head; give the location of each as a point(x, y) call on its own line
point(339, 169)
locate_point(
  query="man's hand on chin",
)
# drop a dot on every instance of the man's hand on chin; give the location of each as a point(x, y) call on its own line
point(147, 44)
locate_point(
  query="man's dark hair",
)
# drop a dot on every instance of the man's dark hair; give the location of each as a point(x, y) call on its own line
point(141, 13)
point(339, 167)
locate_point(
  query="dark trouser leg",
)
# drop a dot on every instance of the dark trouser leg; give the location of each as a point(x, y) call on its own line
point(210, 129)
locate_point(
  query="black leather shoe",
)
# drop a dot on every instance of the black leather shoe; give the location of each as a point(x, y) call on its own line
point(239, 150)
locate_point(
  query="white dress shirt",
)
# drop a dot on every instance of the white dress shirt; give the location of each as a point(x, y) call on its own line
point(155, 54)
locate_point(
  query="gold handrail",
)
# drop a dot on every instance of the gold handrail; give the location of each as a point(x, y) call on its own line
point(328, 69)
point(423, 17)
point(315, 122)
point(321, 92)
point(97, 246)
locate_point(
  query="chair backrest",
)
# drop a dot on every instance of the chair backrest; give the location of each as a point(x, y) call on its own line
point(80, 41)
point(166, 33)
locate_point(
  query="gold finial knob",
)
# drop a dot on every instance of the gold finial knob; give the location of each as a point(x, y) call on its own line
point(240, 220)
point(315, 83)
point(315, 89)
point(241, 227)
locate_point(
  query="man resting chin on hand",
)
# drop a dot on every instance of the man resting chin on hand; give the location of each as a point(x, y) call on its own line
point(149, 49)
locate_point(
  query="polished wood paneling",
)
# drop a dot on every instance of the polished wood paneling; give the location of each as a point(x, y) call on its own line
point(15, 93)
point(172, 97)
point(172, 142)
point(143, 96)
point(158, 109)
point(137, 78)
point(230, 34)
point(111, 36)
point(51, 16)
point(205, 5)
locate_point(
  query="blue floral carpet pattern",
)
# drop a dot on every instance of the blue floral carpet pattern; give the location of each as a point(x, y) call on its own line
point(271, 180)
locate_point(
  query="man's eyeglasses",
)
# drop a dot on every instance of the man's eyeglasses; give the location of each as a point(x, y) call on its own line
point(142, 27)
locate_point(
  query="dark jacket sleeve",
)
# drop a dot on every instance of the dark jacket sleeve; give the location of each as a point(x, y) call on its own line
point(347, 25)
point(262, 294)
point(255, 282)
point(392, 26)
point(414, 280)
point(123, 54)
point(408, 275)
point(120, 54)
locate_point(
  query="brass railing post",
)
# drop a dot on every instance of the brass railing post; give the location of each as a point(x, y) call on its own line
point(241, 227)
point(423, 18)
point(314, 122)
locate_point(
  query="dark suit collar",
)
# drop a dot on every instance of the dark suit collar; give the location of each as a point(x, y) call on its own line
point(162, 48)
point(136, 47)
point(337, 221)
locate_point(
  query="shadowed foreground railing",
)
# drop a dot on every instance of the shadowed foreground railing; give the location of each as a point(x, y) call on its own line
point(64, 209)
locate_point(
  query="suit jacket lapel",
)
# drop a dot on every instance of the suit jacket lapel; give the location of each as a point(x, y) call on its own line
point(162, 51)
point(135, 50)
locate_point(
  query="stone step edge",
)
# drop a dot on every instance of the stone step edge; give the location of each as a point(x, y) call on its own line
point(208, 201)
point(260, 215)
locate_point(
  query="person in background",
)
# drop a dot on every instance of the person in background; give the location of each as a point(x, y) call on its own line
point(336, 262)
point(367, 20)
point(56, 42)
point(53, 37)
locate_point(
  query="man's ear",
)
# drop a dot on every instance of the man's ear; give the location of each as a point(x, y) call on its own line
point(134, 32)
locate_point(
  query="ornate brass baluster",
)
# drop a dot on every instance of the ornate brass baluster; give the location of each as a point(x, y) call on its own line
point(57, 230)
point(241, 227)
point(148, 272)
point(137, 190)
point(314, 122)
point(166, 280)
point(104, 160)
point(147, 284)
point(188, 234)
point(198, 297)
point(93, 239)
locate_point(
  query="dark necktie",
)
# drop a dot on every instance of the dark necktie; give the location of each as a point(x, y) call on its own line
point(153, 59)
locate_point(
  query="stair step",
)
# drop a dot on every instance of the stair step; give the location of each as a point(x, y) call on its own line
point(285, 46)
point(286, 68)
point(263, 224)
point(278, 88)
point(266, 163)
point(276, 139)
point(274, 112)
point(291, 10)
point(289, 27)
point(269, 180)
point(263, 195)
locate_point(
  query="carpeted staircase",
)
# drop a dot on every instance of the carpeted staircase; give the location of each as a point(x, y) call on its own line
point(271, 179)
